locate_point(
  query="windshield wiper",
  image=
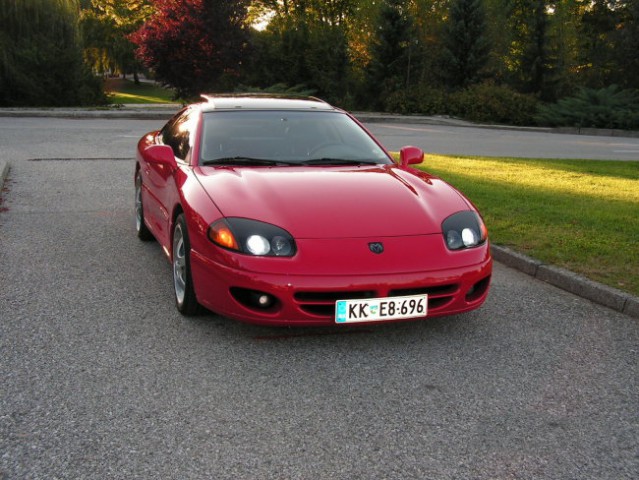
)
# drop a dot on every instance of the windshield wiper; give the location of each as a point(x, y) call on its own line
point(337, 161)
point(247, 161)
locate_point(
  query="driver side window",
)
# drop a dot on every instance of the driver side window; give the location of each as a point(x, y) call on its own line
point(177, 134)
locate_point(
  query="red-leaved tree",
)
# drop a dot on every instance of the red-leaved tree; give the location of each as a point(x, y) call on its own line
point(194, 46)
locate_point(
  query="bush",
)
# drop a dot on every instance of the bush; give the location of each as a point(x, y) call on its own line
point(491, 103)
point(400, 102)
point(485, 103)
point(422, 99)
point(605, 108)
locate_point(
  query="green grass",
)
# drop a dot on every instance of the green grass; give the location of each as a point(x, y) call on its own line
point(126, 91)
point(578, 214)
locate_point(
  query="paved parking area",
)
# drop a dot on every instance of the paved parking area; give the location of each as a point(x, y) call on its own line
point(453, 140)
point(102, 378)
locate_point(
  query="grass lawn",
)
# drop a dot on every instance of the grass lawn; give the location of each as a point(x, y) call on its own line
point(126, 91)
point(582, 215)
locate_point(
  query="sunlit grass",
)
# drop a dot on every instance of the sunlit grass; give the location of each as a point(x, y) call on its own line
point(578, 214)
point(126, 91)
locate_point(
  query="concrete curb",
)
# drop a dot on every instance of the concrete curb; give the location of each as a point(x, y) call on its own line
point(163, 113)
point(571, 282)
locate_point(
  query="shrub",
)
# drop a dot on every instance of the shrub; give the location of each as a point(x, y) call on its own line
point(400, 101)
point(604, 108)
point(486, 103)
point(491, 103)
point(422, 99)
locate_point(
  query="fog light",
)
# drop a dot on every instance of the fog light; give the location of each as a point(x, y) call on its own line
point(478, 290)
point(261, 300)
point(264, 300)
point(255, 300)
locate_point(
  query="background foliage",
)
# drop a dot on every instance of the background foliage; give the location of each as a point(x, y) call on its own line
point(41, 60)
point(488, 60)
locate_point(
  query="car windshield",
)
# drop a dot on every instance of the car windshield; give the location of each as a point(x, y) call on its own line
point(280, 138)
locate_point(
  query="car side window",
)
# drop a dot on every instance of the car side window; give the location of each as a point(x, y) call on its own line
point(177, 134)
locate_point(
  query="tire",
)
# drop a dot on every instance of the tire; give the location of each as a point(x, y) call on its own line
point(143, 232)
point(185, 300)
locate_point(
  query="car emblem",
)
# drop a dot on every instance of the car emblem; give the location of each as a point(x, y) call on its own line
point(376, 247)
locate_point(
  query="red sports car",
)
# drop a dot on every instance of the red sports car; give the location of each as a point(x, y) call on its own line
point(286, 211)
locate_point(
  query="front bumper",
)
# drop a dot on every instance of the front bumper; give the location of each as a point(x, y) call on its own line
point(309, 300)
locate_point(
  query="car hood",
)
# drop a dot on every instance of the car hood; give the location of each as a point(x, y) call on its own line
point(334, 202)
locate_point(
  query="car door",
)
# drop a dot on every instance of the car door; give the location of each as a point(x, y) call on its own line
point(160, 179)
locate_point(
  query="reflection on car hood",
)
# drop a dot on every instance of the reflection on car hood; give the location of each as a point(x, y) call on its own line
point(334, 202)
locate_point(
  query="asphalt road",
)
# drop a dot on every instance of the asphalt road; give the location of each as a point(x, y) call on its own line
point(102, 378)
point(453, 140)
point(96, 137)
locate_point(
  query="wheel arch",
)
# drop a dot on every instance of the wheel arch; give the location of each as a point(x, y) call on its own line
point(177, 210)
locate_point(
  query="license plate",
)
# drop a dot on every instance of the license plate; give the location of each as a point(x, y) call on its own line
point(381, 309)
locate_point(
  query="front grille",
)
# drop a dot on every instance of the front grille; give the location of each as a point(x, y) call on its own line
point(322, 304)
point(431, 291)
point(439, 296)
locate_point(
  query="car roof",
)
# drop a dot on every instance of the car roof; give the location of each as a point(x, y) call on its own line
point(257, 101)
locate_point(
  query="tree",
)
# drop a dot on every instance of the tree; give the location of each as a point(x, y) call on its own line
point(41, 61)
point(529, 49)
point(465, 45)
point(629, 45)
point(106, 26)
point(305, 44)
point(393, 52)
point(194, 45)
point(563, 47)
point(597, 31)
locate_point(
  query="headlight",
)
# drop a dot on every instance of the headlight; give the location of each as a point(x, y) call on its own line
point(252, 237)
point(464, 230)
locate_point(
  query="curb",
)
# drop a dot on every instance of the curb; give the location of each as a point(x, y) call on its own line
point(617, 300)
point(78, 114)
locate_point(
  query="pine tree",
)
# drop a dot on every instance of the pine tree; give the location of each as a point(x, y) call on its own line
point(392, 52)
point(465, 45)
point(629, 58)
point(529, 55)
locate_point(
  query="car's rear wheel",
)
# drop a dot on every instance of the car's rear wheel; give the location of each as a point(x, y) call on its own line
point(182, 282)
point(143, 232)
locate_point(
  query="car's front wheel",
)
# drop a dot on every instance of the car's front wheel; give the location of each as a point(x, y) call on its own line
point(143, 232)
point(182, 282)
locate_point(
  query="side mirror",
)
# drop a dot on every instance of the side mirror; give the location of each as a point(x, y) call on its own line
point(410, 156)
point(161, 155)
